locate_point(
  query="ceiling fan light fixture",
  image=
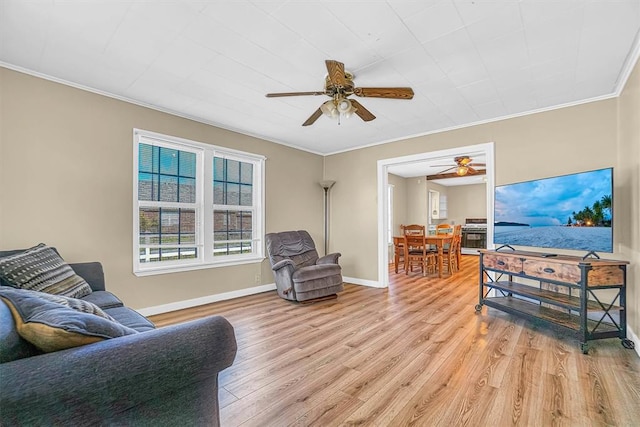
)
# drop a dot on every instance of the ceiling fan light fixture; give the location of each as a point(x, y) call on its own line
point(462, 170)
point(329, 109)
point(350, 112)
point(344, 106)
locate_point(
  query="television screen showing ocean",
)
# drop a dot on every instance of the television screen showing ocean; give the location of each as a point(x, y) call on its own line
point(597, 239)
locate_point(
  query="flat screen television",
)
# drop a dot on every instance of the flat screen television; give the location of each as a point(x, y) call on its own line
point(564, 212)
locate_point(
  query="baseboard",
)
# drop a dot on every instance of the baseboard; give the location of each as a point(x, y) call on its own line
point(363, 282)
point(633, 337)
point(179, 305)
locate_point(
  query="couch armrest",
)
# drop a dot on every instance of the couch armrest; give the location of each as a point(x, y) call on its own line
point(329, 259)
point(159, 374)
point(91, 272)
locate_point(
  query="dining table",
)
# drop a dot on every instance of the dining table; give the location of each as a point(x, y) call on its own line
point(438, 240)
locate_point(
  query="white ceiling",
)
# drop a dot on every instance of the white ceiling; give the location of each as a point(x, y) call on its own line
point(213, 61)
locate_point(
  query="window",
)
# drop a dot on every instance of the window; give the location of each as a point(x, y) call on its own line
point(195, 205)
point(232, 199)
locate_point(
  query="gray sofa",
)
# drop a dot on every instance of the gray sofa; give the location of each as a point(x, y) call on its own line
point(159, 377)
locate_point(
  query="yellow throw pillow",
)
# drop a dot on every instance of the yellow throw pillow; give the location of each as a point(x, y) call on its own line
point(52, 326)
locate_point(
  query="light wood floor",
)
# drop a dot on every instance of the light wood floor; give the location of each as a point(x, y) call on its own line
point(414, 354)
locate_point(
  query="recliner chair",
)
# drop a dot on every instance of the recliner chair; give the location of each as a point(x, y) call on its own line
point(301, 275)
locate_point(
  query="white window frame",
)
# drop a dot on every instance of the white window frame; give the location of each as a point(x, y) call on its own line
point(203, 205)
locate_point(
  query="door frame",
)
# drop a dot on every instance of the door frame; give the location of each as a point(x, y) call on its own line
point(383, 181)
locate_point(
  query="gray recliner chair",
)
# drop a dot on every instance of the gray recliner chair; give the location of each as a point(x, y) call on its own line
point(301, 275)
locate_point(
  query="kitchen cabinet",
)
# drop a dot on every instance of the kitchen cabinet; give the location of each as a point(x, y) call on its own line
point(437, 205)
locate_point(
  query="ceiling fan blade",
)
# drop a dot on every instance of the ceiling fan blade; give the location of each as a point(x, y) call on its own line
point(312, 119)
point(452, 167)
point(477, 164)
point(451, 175)
point(275, 95)
point(336, 73)
point(362, 112)
point(384, 92)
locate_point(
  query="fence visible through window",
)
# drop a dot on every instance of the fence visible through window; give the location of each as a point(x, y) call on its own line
point(232, 191)
point(196, 205)
point(166, 175)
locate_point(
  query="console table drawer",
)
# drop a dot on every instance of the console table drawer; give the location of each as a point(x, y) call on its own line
point(503, 263)
point(552, 270)
point(605, 275)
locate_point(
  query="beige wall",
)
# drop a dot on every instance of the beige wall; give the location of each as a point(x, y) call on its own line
point(588, 136)
point(66, 180)
point(417, 201)
point(538, 145)
point(627, 192)
point(399, 202)
point(466, 201)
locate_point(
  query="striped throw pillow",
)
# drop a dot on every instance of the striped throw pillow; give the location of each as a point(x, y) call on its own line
point(42, 269)
point(74, 303)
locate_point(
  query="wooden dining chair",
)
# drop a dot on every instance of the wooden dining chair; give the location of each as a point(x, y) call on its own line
point(399, 243)
point(457, 232)
point(451, 254)
point(413, 229)
point(417, 253)
point(443, 229)
point(398, 252)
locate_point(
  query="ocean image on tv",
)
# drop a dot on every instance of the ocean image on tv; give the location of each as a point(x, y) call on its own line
point(565, 212)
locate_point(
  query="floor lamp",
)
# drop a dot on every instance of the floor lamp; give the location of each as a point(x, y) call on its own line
point(326, 185)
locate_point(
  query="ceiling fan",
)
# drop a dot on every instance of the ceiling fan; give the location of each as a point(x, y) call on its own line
point(339, 86)
point(464, 166)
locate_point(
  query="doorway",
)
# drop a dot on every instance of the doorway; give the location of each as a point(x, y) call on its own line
point(486, 150)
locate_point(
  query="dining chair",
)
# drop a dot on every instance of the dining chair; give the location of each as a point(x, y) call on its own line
point(399, 248)
point(443, 229)
point(413, 229)
point(398, 251)
point(417, 253)
point(451, 254)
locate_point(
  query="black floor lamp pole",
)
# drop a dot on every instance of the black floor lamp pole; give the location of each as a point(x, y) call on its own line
point(326, 185)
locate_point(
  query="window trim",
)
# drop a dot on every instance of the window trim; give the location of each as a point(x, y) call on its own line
point(203, 205)
point(390, 195)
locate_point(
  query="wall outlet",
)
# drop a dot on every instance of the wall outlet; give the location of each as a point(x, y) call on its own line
point(257, 279)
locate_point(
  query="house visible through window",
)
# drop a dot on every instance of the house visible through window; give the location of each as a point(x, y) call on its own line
point(196, 205)
point(167, 178)
point(233, 201)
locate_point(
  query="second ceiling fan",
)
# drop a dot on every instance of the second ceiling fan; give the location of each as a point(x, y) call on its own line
point(339, 86)
point(464, 166)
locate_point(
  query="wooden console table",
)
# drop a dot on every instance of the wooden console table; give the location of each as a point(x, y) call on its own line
point(585, 296)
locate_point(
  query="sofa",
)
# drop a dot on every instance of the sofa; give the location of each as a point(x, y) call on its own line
point(161, 377)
